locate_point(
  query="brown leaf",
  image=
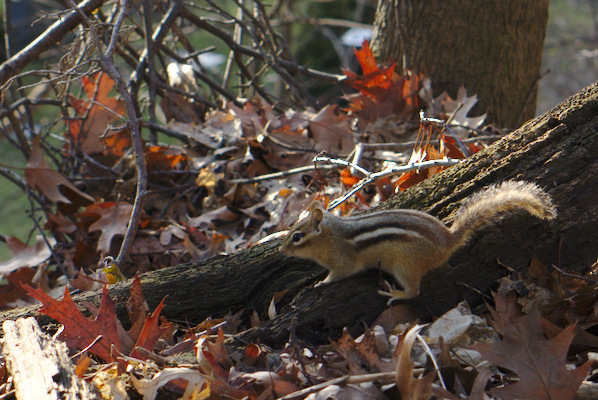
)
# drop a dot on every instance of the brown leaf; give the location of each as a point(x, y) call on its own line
point(331, 131)
point(137, 308)
point(59, 223)
point(114, 220)
point(410, 387)
point(538, 362)
point(40, 176)
point(84, 282)
point(266, 381)
point(347, 348)
point(24, 256)
point(459, 108)
point(13, 291)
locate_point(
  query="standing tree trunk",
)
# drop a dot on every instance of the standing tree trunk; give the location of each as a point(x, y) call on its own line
point(492, 47)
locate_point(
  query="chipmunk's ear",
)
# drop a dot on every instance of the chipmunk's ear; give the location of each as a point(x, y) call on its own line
point(316, 212)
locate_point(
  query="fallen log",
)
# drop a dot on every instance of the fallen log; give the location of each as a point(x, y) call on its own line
point(558, 150)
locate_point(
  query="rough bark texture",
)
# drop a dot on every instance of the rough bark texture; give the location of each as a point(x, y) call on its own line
point(558, 150)
point(493, 47)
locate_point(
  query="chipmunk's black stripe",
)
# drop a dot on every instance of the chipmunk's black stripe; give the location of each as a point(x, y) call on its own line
point(371, 241)
point(383, 224)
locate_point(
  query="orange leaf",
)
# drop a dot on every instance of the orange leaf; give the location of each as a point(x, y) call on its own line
point(80, 331)
point(118, 142)
point(82, 366)
point(95, 114)
point(347, 178)
point(373, 77)
point(449, 147)
point(252, 352)
point(165, 158)
point(411, 178)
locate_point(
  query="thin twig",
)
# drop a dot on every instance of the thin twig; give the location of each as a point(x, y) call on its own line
point(106, 61)
point(282, 174)
point(322, 158)
point(149, 45)
point(574, 276)
point(167, 21)
point(446, 162)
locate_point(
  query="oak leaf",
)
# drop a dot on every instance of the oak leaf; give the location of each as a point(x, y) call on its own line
point(113, 221)
point(95, 114)
point(382, 91)
point(146, 329)
point(538, 362)
point(80, 331)
point(40, 176)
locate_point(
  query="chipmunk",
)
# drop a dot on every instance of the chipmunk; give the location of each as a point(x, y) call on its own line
point(405, 243)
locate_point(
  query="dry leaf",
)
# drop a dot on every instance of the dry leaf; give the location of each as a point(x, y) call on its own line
point(113, 221)
point(40, 176)
point(539, 363)
point(25, 256)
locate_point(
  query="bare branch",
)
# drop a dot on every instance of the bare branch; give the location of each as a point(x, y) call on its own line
point(49, 38)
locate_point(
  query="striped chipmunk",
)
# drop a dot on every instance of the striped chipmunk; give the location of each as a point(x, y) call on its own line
point(405, 243)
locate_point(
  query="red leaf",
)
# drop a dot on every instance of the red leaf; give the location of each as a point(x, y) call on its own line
point(80, 331)
point(150, 333)
point(137, 309)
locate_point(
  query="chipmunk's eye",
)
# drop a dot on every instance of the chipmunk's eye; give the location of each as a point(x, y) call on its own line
point(297, 236)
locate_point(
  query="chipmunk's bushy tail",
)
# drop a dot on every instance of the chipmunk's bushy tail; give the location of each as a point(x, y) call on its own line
point(497, 201)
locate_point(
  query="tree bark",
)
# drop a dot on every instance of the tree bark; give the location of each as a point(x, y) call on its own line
point(493, 48)
point(558, 151)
